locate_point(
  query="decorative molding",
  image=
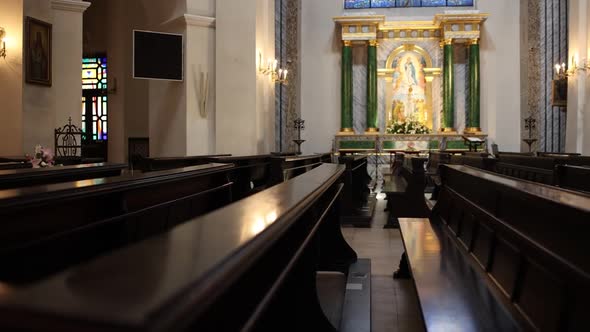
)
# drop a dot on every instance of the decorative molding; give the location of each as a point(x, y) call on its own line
point(70, 5)
point(199, 21)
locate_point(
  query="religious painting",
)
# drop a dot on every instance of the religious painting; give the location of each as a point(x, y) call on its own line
point(559, 93)
point(37, 52)
point(408, 88)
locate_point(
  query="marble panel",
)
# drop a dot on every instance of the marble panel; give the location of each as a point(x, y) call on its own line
point(359, 88)
point(461, 78)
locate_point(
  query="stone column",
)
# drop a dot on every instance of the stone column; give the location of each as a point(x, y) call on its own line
point(448, 121)
point(372, 126)
point(346, 93)
point(473, 124)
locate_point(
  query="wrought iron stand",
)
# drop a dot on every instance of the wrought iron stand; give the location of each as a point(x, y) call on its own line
point(530, 125)
point(299, 125)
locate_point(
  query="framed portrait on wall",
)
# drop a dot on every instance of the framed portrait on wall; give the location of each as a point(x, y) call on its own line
point(559, 93)
point(37, 51)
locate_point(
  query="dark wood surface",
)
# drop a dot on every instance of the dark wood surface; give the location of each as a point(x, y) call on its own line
point(254, 260)
point(163, 163)
point(452, 295)
point(527, 240)
point(405, 192)
point(14, 165)
point(573, 177)
point(286, 167)
point(47, 228)
point(39, 176)
point(358, 202)
point(250, 175)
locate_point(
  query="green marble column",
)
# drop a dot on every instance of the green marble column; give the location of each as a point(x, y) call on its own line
point(372, 125)
point(473, 125)
point(346, 93)
point(448, 120)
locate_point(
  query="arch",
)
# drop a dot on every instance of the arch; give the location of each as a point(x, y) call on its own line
point(408, 48)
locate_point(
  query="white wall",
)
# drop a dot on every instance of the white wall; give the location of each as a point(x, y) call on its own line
point(578, 119)
point(166, 112)
point(320, 69)
point(11, 80)
point(200, 67)
point(45, 108)
point(500, 73)
point(38, 106)
point(244, 98)
point(320, 74)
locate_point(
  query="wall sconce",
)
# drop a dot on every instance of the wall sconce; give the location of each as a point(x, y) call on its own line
point(563, 72)
point(271, 68)
point(280, 76)
point(3, 49)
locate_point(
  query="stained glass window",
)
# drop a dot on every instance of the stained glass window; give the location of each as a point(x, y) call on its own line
point(94, 99)
point(94, 73)
point(358, 4)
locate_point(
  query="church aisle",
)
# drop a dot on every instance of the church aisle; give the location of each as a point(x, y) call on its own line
point(394, 303)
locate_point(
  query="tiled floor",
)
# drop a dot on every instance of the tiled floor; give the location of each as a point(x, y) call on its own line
point(394, 303)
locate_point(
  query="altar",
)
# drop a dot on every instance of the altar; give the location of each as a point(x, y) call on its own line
point(409, 85)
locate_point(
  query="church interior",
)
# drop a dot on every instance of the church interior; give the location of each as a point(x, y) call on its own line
point(294, 165)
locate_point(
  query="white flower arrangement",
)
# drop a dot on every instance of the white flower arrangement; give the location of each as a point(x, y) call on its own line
point(411, 126)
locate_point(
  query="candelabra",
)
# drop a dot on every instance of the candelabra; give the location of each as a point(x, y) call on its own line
point(562, 71)
point(530, 125)
point(299, 125)
point(271, 68)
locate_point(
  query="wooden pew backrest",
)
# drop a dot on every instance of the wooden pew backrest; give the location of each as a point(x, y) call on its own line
point(529, 239)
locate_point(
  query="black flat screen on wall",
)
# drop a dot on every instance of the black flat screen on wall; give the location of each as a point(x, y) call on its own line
point(157, 55)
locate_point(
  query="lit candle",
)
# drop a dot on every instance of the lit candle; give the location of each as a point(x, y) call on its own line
point(280, 73)
point(557, 68)
point(285, 74)
point(275, 64)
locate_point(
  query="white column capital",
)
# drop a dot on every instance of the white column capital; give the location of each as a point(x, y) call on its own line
point(70, 5)
point(199, 21)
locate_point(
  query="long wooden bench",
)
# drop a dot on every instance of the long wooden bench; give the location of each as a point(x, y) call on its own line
point(286, 167)
point(14, 165)
point(405, 193)
point(536, 169)
point(164, 163)
point(40, 176)
point(573, 177)
point(260, 264)
point(358, 203)
point(250, 174)
point(46, 228)
point(501, 254)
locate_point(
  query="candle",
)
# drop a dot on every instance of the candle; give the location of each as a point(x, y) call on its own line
point(285, 74)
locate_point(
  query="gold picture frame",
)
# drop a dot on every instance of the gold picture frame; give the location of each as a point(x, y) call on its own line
point(559, 93)
point(37, 51)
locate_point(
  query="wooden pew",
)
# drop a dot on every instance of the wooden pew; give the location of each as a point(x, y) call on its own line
point(159, 164)
point(435, 159)
point(14, 165)
point(405, 193)
point(573, 177)
point(7, 162)
point(40, 176)
point(250, 174)
point(536, 169)
point(501, 254)
point(252, 266)
point(286, 167)
point(46, 228)
point(557, 154)
point(358, 203)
